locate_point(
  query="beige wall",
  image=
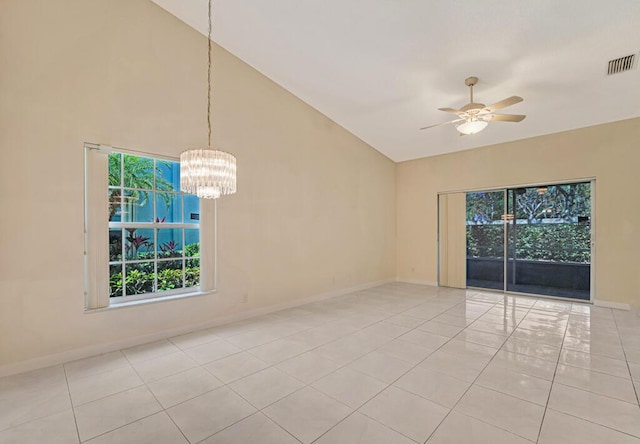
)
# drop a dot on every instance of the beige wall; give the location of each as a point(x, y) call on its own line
point(315, 208)
point(609, 153)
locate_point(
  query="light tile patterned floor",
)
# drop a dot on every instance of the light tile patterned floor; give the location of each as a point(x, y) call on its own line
point(399, 363)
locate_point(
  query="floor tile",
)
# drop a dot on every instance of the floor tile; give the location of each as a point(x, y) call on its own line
point(388, 329)
point(553, 339)
point(433, 385)
point(519, 417)
point(595, 363)
point(59, 428)
point(149, 351)
point(192, 339)
point(207, 414)
point(155, 429)
point(425, 339)
point(236, 366)
point(466, 368)
point(405, 321)
point(96, 386)
point(211, 351)
point(480, 337)
point(406, 413)
point(265, 387)
point(559, 428)
point(490, 327)
point(350, 387)
point(95, 364)
point(527, 365)
point(441, 329)
point(407, 351)
point(106, 414)
point(358, 429)
point(308, 367)
point(462, 429)
point(183, 386)
point(278, 351)
point(381, 366)
point(163, 366)
point(307, 414)
point(453, 320)
point(600, 409)
point(600, 383)
point(609, 348)
point(519, 385)
point(256, 428)
point(534, 349)
point(32, 395)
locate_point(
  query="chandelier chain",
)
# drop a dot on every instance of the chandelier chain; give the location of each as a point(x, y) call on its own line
point(209, 81)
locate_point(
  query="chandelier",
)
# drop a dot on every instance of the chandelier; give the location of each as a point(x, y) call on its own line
point(207, 172)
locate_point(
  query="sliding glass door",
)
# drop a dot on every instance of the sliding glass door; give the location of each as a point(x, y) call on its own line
point(485, 239)
point(549, 240)
point(531, 240)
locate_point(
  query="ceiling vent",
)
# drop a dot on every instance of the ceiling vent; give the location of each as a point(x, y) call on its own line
point(621, 64)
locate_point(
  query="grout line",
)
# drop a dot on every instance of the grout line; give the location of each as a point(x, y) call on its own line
point(476, 378)
point(633, 384)
point(73, 410)
point(555, 370)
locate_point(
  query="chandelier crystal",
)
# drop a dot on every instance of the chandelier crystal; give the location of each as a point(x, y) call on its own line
point(208, 173)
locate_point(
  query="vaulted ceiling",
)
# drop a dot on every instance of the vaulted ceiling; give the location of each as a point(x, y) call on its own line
point(381, 68)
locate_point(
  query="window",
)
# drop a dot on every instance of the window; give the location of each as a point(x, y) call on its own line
point(143, 237)
point(154, 232)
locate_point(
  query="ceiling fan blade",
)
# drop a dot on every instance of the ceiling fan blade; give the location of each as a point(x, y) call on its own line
point(506, 117)
point(440, 124)
point(504, 103)
point(450, 110)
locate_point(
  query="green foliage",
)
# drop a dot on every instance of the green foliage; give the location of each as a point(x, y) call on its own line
point(192, 250)
point(138, 173)
point(169, 279)
point(561, 242)
point(141, 280)
point(138, 281)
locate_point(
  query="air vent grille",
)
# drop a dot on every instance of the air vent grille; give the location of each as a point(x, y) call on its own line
point(621, 64)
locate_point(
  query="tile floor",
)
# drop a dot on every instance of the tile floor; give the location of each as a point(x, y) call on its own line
point(399, 363)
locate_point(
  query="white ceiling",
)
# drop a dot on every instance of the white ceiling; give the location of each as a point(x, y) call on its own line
point(381, 68)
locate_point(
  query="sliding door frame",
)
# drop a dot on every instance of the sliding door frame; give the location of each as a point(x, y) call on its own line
point(505, 188)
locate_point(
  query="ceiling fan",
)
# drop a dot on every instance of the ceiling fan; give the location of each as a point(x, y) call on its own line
point(474, 117)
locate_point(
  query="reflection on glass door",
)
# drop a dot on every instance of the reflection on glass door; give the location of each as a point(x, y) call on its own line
point(549, 240)
point(485, 239)
point(546, 233)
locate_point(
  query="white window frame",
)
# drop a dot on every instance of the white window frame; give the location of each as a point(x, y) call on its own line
point(97, 225)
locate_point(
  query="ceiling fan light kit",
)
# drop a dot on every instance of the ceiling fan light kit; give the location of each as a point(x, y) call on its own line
point(475, 117)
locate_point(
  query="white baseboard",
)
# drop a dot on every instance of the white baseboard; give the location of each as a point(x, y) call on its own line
point(417, 281)
point(92, 350)
point(609, 304)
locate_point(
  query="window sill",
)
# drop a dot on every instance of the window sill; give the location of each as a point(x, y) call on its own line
point(152, 300)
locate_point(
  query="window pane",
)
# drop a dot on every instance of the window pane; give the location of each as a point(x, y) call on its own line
point(169, 275)
point(170, 242)
point(115, 213)
point(115, 280)
point(139, 278)
point(168, 208)
point(138, 172)
point(139, 243)
point(137, 206)
point(167, 175)
point(192, 273)
point(115, 245)
point(191, 209)
point(191, 242)
point(115, 169)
